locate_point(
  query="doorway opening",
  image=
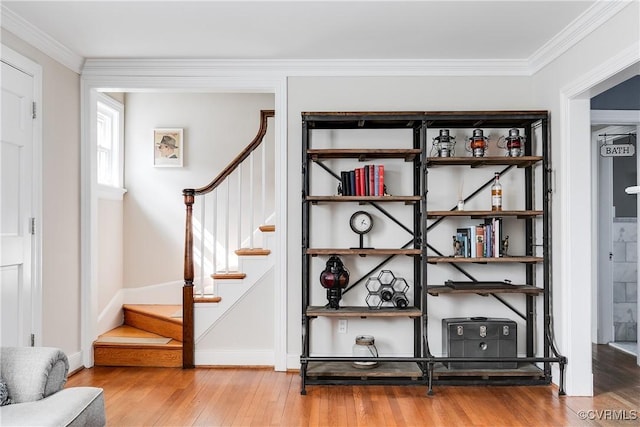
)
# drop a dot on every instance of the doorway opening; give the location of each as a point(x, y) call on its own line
point(617, 285)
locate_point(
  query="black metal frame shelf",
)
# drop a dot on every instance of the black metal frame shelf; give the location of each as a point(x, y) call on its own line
point(485, 214)
point(362, 252)
point(474, 162)
point(405, 369)
point(423, 367)
point(364, 199)
point(362, 312)
point(364, 154)
point(484, 260)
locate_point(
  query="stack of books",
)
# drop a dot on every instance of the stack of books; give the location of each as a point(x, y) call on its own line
point(481, 241)
point(364, 181)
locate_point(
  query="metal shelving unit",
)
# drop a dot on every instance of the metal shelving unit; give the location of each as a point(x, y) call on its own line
point(339, 370)
point(423, 368)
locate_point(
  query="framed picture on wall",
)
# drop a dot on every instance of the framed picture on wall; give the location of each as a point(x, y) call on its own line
point(168, 147)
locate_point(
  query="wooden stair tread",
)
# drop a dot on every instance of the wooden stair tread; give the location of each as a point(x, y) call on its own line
point(140, 353)
point(229, 275)
point(267, 228)
point(252, 252)
point(207, 298)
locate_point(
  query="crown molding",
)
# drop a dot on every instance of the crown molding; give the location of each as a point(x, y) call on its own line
point(599, 13)
point(292, 67)
point(37, 38)
point(591, 19)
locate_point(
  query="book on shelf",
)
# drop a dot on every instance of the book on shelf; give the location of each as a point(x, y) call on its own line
point(352, 179)
point(481, 249)
point(462, 235)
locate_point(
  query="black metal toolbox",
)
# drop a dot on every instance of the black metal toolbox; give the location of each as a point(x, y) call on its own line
point(479, 337)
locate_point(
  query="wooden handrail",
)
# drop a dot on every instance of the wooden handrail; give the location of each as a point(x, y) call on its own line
point(264, 115)
point(188, 339)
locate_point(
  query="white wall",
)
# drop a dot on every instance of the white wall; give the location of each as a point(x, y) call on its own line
point(61, 199)
point(571, 197)
point(110, 251)
point(216, 129)
point(61, 175)
point(381, 94)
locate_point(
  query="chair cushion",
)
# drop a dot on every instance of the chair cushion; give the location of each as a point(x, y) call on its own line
point(74, 406)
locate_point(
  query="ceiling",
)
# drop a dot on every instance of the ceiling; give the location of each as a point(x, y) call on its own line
point(301, 30)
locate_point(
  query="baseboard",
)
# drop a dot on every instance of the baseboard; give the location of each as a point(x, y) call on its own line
point(234, 358)
point(75, 361)
point(293, 361)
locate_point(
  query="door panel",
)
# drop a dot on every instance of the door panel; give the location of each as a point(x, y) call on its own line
point(16, 162)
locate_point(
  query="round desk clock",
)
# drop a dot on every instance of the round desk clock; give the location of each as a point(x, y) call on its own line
point(361, 223)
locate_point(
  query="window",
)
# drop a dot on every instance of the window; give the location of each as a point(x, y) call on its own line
point(110, 136)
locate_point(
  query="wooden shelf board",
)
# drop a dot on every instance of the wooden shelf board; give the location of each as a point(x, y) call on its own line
point(362, 252)
point(364, 199)
point(523, 370)
point(483, 290)
point(346, 369)
point(476, 260)
point(364, 154)
point(486, 214)
point(521, 162)
point(351, 311)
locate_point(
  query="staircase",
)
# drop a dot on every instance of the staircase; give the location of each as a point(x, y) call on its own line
point(151, 335)
point(218, 272)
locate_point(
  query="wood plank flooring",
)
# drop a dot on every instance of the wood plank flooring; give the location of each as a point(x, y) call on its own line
point(262, 397)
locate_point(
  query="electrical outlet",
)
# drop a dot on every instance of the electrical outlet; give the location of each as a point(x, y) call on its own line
point(342, 326)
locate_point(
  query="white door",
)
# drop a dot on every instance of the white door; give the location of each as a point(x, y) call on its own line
point(16, 189)
point(604, 297)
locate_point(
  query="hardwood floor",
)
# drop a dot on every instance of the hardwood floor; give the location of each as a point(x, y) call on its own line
point(262, 397)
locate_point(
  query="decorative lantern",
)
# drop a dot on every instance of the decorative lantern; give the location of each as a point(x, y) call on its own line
point(444, 144)
point(334, 278)
point(478, 143)
point(514, 143)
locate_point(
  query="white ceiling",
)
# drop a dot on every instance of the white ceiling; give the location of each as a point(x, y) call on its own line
point(448, 30)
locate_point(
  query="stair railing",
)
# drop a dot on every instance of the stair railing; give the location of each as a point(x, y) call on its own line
point(208, 238)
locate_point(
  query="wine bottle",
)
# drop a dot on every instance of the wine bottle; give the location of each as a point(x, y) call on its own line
point(496, 193)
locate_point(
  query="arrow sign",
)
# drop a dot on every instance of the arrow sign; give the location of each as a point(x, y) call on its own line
point(617, 150)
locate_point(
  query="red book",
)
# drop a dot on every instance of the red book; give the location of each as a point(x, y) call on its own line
point(362, 190)
point(381, 181)
point(358, 178)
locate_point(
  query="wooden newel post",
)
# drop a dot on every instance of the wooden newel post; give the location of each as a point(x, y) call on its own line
point(188, 342)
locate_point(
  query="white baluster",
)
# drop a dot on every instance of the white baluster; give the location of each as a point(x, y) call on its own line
point(239, 216)
point(251, 200)
point(202, 247)
point(263, 217)
point(214, 239)
point(226, 239)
